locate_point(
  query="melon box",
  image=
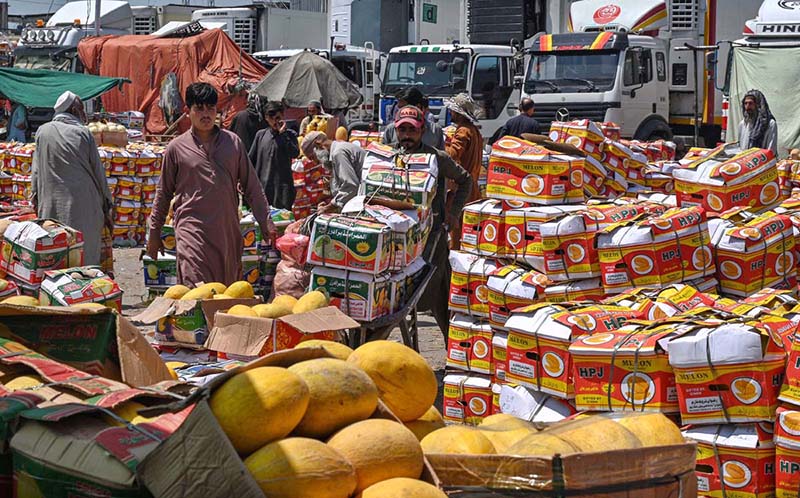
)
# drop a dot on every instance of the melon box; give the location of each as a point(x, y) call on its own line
point(410, 177)
point(483, 229)
point(251, 233)
point(583, 134)
point(511, 287)
point(350, 244)
point(359, 295)
point(117, 162)
point(787, 453)
point(406, 282)
point(468, 291)
point(163, 271)
point(469, 345)
point(734, 458)
point(466, 399)
point(522, 236)
point(87, 284)
point(33, 247)
point(727, 372)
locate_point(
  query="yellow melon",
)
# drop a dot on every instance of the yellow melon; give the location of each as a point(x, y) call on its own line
point(503, 439)
point(259, 406)
point(652, 429)
point(22, 301)
point(242, 310)
point(457, 440)
point(172, 366)
point(176, 292)
point(89, 306)
point(271, 310)
point(379, 449)
point(429, 422)
point(337, 349)
point(198, 293)
point(285, 301)
point(23, 382)
point(341, 134)
point(340, 394)
point(309, 302)
point(506, 421)
point(240, 290)
point(406, 383)
point(216, 287)
point(299, 467)
point(221, 296)
point(129, 411)
point(403, 487)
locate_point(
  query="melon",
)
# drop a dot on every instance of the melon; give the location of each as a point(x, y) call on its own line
point(285, 300)
point(504, 430)
point(403, 487)
point(259, 406)
point(505, 421)
point(299, 467)
point(23, 382)
point(310, 301)
point(240, 289)
point(406, 383)
point(340, 394)
point(221, 296)
point(215, 287)
point(341, 134)
point(271, 311)
point(198, 293)
point(242, 310)
point(176, 292)
point(429, 422)
point(457, 440)
point(22, 301)
point(89, 306)
point(337, 349)
point(128, 411)
point(379, 449)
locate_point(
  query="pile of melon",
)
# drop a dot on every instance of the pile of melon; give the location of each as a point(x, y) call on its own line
point(282, 306)
point(314, 429)
point(213, 290)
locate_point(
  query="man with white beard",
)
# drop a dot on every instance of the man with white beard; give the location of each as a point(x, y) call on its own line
point(758, 127)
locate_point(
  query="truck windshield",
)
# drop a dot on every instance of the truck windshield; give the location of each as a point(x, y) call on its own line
point(572, 72)
point(350, 67)
point(42, 62)
point(439, 74)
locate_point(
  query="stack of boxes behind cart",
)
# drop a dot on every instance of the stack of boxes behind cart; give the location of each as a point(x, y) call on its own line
point(15, 178)
point(312, 186)
point(369, 258)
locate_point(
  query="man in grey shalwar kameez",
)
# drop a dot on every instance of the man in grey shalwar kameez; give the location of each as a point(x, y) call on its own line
point(758, 127)
point(272, 153)
point(68, 182)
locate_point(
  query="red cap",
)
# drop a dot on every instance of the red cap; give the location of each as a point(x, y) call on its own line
point(411, 115)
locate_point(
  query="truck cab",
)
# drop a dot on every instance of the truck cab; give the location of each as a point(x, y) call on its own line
point(486, 72)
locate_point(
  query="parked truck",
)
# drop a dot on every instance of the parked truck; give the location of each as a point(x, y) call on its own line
point(643, 64)
point(767, 58)
point(258, 28)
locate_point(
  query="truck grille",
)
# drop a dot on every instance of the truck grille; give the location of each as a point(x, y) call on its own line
point(683, 15)
point(244, 34)
point(546, 113)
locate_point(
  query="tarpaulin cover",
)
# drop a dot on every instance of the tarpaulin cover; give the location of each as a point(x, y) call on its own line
point(210, 57)
point(307, 76)
point(757, 68)
point(41, 88)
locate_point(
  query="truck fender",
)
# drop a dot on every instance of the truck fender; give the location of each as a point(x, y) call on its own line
point(653, 127)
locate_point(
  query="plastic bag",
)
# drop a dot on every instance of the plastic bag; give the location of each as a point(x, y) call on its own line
point(290, 278)
point(293, 248)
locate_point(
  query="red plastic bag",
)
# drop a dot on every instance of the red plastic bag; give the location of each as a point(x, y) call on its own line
point(293, 248)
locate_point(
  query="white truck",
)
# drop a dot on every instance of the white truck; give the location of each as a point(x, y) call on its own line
point(54, 45)
point(361, 65)
point(260, 28)
point(631, 62)
point(768, 59)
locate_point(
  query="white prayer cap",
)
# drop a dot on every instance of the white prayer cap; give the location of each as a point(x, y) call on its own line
point(65, 101)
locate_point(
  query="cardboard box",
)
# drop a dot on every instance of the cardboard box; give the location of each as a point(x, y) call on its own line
point(727, 178)
point(359, 295)
point(185, 322)
point(406, 282)
point(787, 453)
point(483, 229)
point(536, 407)
point(98, 342)
point(469, 345)
point(511, 287)
point(590, 289)
point(522, 171)
point(350, 244)
point(672, 248)
point(129, 188)
point(86, 284)
point(251, 268)
point(467, 399)
point(499, 357)
point(540, 336)
point(364, 138)
point(243, 338)
point(736, 460)
point(33, 247)
point(409, 178)
point(727, 372)
point(163, 272)
point(626, 369)
point(251, 233)
point(522, 237)
point(622, 160)
point(117, 161)
point(583, 134)
point(468, 291)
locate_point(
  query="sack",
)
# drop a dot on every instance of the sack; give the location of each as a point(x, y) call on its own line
point(291, 279)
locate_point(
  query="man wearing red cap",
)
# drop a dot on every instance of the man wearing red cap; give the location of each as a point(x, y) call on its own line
point(409, 125)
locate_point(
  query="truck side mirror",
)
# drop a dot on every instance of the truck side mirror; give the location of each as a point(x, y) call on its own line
point(377, 65)
point(458, 65)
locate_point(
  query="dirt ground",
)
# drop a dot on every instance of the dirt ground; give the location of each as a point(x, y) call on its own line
point(128, 272)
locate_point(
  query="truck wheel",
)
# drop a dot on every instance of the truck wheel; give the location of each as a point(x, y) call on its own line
point(654, 129)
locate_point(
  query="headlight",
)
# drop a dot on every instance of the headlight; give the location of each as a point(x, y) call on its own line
point(51, 35)
point(40, 35)
point(24, 36)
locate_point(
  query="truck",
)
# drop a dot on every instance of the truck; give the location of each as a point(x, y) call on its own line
point(766, 58)
point(147, 19)
point(650, 66)
point(261, 27)
point(53, 45)
point(361, 65)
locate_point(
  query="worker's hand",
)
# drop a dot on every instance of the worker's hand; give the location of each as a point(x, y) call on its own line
point(153, 247)
point(281, 126)
point(272, 233)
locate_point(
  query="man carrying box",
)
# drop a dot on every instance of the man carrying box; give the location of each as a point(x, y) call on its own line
point(202, 170)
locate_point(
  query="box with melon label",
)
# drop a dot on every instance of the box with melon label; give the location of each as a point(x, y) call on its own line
point(126, 213)
point(539, 338)
point(621, 159)
point(117, 162)
point(787, 453)
point(758, 254)
point(727, 372)
point(30, 248)
point(568, 242)
point(87, 284)
point(468, 292)
point(522, 171)
point(360, 296)
point(467, 399)
point(728, 178)
point(734, 459)
point(129, 188)
point(790, 389)
point(482, 228)
point(499, 356)
point(584, 134)
point(511, 287)
point(671, 248)
point(533, 406)
point(595, 176)
point(523, 239)
point(469, 344)
point(625, 369)
point(404, 177)
point(350, 244)
point(590, 289)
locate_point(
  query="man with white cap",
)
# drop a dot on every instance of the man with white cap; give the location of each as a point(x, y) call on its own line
point(343, 159)
point(68, 181)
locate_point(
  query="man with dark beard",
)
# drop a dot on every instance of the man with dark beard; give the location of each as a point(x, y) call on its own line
point(758, 128)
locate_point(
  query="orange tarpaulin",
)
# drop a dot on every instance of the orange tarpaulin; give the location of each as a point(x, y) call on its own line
point(210, 57)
